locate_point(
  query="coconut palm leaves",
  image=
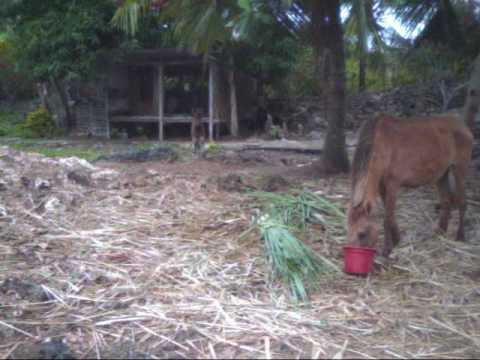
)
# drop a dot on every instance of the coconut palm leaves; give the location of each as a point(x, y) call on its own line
point(291, 261)
point(363, 27)
point(440, 18)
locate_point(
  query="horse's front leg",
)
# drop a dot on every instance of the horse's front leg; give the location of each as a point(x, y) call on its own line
point(460, 173)
point(392, 233)
point(446, 197)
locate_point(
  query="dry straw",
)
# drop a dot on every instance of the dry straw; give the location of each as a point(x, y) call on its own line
point(159, 272)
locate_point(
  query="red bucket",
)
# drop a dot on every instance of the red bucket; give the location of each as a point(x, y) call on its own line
point(358, 260)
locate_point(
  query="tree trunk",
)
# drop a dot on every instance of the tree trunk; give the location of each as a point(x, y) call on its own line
point(328, 37)
point(362, 44)
point(42, 89)
point(472, 102)
point(69, 116)
point(444, 6)
point(362, 64)
point(233, 101)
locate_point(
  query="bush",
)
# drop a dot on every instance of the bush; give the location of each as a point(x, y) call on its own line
point(9, 124)
point(39, 123)
point(212, 148)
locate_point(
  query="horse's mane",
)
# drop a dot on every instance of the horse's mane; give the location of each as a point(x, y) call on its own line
point(364, 148)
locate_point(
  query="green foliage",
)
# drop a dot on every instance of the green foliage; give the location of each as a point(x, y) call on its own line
point(10, 124)
point(302, 80)
point(430, 62)
point(13, 84)
point(243, 28)
point(275, 132)
point(292, 262)
point(376, 78)
point(298, 210)
point(87, 154)
point(39, 123)
point(38, 146)
point(60, 39)
point(212, 148)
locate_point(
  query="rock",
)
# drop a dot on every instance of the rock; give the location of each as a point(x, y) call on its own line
point(53, 204)
point(25, 181)
point(24, 290)
point(52, 349)
point(158, 153)
point(105, 175)
point(76, 163)
point(81, 178)
point(3, 185)
point(151, 172)
point(274, 183)
point(3, 212)
point(230, 182)
point(55, 349)
point(319, 120)
point(41, 184)
point(315, 135)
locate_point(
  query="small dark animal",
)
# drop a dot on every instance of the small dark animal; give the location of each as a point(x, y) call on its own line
point(395, 153)
point(197, 130)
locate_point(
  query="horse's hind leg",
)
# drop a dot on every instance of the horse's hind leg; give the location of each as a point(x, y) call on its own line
point(446, 196)
point(392, 233)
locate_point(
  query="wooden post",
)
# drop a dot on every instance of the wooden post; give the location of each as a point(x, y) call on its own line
point(160, 101)
point(107, 108)
point(211, 92)
point(233, 102)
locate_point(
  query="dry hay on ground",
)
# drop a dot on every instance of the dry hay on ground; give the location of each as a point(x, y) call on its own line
point(149, 264)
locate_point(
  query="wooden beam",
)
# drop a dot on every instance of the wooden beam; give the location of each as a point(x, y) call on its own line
point(211, 84)
point(160, 101)
point(107, 109)
point(170, 119)
point(135, 118)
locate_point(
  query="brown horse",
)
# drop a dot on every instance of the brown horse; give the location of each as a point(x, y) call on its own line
point(395, 153)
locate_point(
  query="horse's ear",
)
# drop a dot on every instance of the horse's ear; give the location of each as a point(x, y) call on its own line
point(359, 192)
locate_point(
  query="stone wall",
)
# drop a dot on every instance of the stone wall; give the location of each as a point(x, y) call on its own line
point(404, 101)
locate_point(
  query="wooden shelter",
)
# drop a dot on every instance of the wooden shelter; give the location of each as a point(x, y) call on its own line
point(162, 86)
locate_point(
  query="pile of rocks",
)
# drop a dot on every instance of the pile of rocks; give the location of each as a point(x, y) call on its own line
point(36, 190)
point(308, 113)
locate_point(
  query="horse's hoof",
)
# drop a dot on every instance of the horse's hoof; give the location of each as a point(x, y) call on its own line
point(386, 252)
point(440, 232)
point(460, 237)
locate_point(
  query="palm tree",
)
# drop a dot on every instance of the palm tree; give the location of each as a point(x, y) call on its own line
point(207, 26)
point(329, 45)
point(441, 20)
point(362, 25)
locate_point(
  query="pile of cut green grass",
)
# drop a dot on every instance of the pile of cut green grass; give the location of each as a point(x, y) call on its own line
point(293, 262)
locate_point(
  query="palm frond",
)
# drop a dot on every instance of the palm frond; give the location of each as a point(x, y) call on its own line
point(293, 262)
point(128, 15)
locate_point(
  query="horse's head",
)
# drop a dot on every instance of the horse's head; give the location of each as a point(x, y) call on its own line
point(361, 229)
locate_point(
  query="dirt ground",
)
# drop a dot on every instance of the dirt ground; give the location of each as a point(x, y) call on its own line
point(149, 262)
